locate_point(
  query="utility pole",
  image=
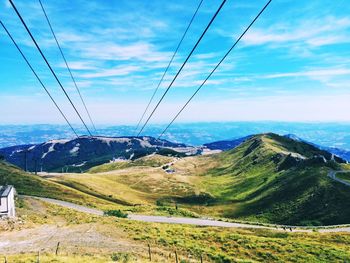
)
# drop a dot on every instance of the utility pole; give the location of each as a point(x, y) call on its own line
point(36, 167)
point(25, 160)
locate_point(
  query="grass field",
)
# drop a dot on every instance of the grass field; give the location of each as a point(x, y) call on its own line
point(121, 240)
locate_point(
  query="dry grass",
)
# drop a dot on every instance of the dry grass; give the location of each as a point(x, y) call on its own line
point(86, 238)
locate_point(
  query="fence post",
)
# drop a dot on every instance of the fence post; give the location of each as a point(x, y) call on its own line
point(176, 259)
point(201, 259)
point(149, 253)
point(5, 259)
point(38, 258)
point(58, 246)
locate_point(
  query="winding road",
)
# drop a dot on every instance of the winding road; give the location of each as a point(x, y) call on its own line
point(193, 221)
point(333, 175)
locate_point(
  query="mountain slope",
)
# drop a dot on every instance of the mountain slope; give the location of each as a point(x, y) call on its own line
point(267, 178)
point(276, 179)
point(85, 152)
point(29, 184)
point(339, 152)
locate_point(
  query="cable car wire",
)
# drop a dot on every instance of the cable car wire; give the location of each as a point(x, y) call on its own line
point(184, 63)
point(170, 62)
point(48, 64)
point(68, 68)
point(215, 68)
point(38, 78)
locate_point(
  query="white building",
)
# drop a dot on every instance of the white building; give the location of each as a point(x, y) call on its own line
point(7, 201)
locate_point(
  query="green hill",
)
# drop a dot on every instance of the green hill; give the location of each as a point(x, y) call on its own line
point(29, 184)
point(153, 160)
point(275, 179)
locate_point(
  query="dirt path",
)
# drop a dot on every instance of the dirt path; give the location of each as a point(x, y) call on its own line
point(194, 221)
point(88, 238)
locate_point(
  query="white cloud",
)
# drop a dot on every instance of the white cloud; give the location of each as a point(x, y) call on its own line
point(120, 71)
point(141, 51)
point(79, 65)
point(311, 73)
point(319, 32)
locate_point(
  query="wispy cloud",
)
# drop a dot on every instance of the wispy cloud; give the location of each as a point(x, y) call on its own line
point(79, 65)
point(120, 71)
point(316, 33)
point(312, 73)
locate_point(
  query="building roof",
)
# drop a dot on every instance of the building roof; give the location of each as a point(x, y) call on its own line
point(5, 190)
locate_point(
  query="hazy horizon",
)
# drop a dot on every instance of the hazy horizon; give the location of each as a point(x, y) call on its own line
point(325, 134)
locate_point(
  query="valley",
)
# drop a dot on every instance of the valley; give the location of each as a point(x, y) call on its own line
point(265, 180)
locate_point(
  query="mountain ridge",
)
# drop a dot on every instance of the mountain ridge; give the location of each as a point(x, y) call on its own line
point(85, 152)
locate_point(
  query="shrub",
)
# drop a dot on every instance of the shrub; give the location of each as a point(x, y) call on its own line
point(121, 257)
point(116, 213)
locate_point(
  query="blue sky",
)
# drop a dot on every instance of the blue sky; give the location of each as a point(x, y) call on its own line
point(293, 65)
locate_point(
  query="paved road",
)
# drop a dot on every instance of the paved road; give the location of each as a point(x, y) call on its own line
point(332, 174)
point(189, 221)
point(76, 207)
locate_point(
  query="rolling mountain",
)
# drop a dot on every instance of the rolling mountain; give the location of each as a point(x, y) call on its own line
point(231, 144)
point(273, 178)
point(85, 152)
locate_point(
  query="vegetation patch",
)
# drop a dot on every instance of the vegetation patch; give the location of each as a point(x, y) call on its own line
point(116, 213)
point(122, 257)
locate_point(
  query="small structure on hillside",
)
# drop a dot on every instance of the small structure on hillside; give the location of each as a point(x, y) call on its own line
point(7, 201)
point(170, 171)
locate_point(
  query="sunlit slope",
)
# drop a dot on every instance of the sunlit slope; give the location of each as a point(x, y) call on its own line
point(276, 179)
point(153, 160)
point(143, 181)
point(29, 184)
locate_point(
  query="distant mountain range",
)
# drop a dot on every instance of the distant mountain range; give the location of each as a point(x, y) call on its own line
point(81, 154)
point(85, 152)
point(334, 135)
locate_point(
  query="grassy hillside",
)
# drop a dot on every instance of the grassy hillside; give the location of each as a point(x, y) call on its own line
point(135, 185)
point(29, 184)
point(150, 160)
point(274, 179)
point(268, 178)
